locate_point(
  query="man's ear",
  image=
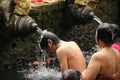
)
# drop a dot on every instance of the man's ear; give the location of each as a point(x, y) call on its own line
point(50, 43)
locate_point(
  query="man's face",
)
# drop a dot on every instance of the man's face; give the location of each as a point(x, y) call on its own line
point(50, 49)
point(47, 50)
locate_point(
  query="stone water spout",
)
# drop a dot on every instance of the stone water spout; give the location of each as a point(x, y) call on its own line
point(18, 28)
point(23, 26)
point(17, 25)
point(81, 14)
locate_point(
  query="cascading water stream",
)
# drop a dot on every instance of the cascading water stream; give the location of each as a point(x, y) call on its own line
point(96, 18)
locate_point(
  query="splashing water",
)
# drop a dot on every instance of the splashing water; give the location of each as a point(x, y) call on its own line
point(40, 32)
point(42, 74)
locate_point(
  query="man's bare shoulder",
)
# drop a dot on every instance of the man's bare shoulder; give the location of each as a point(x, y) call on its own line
point(98, 56)
point(62, 49)
point(66, 47)
point(61, 52)
point(72, 42)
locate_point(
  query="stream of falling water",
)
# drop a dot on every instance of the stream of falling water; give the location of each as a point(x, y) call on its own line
point(97, 19)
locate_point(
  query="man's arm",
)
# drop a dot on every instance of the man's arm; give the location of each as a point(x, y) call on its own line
point(62, 57)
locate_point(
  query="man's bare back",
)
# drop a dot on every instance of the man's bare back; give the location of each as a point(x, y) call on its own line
point(70, 56)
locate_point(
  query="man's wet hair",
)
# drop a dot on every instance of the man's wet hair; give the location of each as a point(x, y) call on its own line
point(71, 74)
point(105, 33)
point(49, 35)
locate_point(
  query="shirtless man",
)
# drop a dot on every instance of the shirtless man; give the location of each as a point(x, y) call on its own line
point(68, 53)
point(104, 64)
